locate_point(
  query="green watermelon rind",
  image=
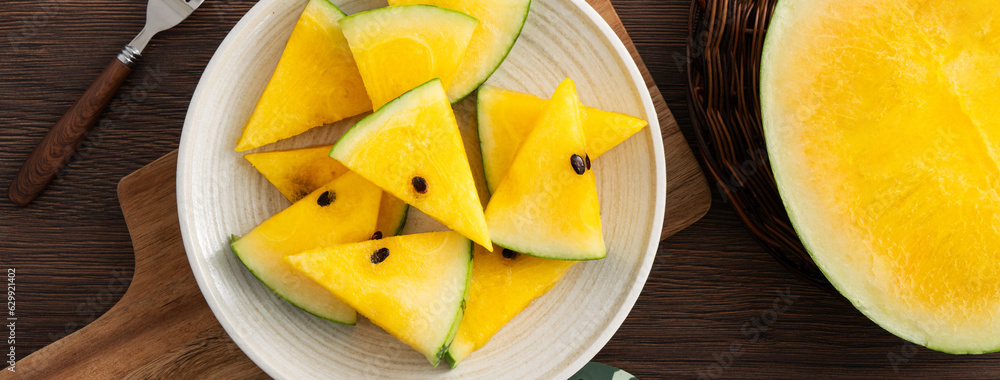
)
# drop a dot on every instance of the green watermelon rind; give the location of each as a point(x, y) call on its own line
point(529, 252)
point(329, 4)
point(481, 126)
point(402, 221)
point(509, 47)
point(232, 245)
point(400, 8)
point(444, 352)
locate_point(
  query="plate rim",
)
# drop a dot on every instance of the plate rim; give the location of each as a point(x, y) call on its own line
point(202, 272)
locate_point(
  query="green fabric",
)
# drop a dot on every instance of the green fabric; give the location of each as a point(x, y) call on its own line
point(598, 371)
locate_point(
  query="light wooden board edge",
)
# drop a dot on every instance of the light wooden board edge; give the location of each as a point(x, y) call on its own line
point(162, 327)
point(688, 195)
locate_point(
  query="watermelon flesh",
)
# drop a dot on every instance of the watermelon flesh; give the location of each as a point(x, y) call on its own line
point(550, 176)
point(413, 286)
point(316, 81)
point(340, 212)
point(399, 48)
point(505, 117)
point(882, 130)
point(500, 23)
point(413, 149)
point(298, 172)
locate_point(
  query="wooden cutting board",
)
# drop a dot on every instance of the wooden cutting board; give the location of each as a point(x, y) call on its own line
point(162, 327)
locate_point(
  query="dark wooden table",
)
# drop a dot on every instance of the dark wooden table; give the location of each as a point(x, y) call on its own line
point(715, 305)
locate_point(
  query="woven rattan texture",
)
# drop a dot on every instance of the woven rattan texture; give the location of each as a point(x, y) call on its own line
point(725, 41)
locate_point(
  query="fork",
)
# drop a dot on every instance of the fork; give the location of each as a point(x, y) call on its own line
point(54, 151)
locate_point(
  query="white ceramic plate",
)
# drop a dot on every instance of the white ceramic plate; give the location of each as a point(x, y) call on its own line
point(219, 193)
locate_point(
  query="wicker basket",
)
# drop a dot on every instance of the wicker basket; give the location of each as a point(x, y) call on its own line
point(725, 41)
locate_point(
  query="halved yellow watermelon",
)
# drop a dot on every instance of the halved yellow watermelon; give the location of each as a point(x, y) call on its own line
point(546, 205)
point(399, 48)
point(342, 211)
point(503, 284)
point(316, 81)
point(413, 286)
point(500, 23)
point(298, 172)
point(411, 148)
point(882, 130)
point(505, 118)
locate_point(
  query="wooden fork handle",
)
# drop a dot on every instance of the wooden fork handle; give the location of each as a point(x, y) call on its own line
point(62, 140)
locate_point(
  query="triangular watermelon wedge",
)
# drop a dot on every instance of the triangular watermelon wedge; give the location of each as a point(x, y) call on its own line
point(343, 211)
point(316, 81)
point(413, 286)
point(298, 172)
point(399, 48)
point(412, 148)
point(546, 205)
point(505, 117)
point(500, 23)
point(503, 284)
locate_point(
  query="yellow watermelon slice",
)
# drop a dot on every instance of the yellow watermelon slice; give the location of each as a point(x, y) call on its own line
point(500, 23)
point(411, 148)
point(298, 172)
point(316, 81)
point(882, 130)
point(342, 211)
point(399, 48)
point(505, 118)
point(503, 283)
point(413, 286)
point(546, 205)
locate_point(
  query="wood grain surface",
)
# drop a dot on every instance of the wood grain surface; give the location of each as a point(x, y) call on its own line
point(146, 199)
point(715, 305)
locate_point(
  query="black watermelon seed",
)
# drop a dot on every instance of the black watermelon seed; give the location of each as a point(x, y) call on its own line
point(326, 198)
point(380, 255)
point(579, 166)
point(587, 159)
point(419, 184)
point(377, 235)
point(508, 254)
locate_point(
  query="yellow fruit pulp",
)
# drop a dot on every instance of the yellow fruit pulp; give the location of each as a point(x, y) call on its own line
point(342, 211)
point(413, 136)
point(506, 117)
point(543, 207)
point(399, 48)
point(316, 81)
point(500, 289)
point(500, 23)
point(298, 172)
point(883, 132)
point(417, 293)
